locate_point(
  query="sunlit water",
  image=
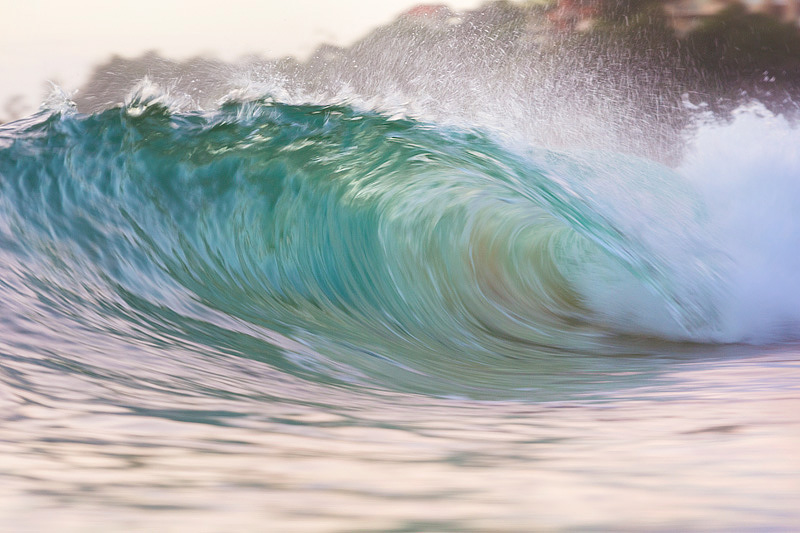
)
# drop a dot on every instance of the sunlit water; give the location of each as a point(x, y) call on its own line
point(327, 313)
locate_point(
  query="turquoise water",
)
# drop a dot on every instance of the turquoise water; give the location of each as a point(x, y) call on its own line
point(323, 317)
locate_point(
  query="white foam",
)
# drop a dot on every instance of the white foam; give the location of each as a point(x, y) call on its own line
point(59, 100)
point(748, 174)
point(147, 93)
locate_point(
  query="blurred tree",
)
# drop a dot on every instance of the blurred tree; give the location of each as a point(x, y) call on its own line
point(623, 10)
point(738, 44)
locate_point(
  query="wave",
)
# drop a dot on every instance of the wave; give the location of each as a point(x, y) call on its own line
point(366, 246)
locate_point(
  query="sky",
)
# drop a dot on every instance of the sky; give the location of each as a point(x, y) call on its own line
point(53, 40)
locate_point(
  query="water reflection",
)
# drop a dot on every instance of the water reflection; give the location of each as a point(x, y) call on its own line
point(711, 444)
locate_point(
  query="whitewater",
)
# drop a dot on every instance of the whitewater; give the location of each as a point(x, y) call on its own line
point(337, 312)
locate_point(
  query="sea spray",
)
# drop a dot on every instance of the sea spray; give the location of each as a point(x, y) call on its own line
point(747, 171)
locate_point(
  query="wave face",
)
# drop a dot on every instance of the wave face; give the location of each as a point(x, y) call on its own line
point(350, 246)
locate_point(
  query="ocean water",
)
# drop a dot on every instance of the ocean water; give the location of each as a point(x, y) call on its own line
point(281, 316)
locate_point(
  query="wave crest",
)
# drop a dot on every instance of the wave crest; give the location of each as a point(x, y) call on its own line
point(383, 244)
